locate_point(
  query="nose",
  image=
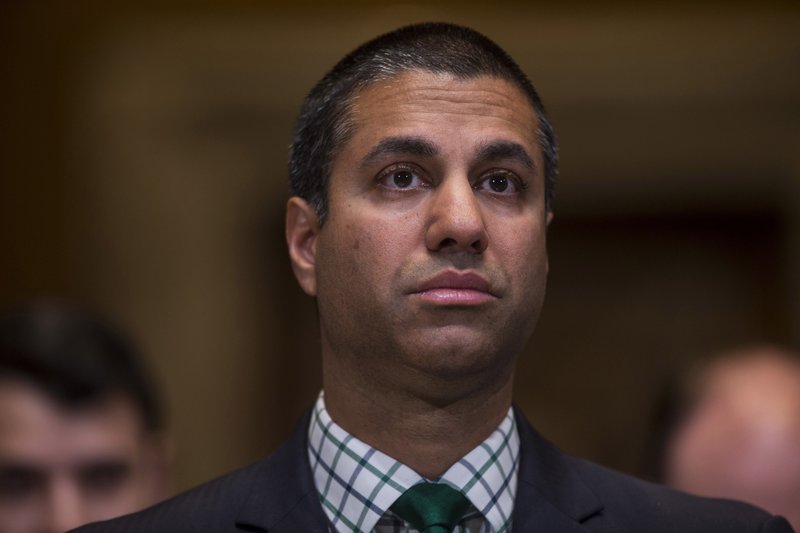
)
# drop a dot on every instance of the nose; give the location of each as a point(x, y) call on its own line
point(455, 219)
point(64, 511)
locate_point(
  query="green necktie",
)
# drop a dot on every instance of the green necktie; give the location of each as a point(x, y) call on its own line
point(431, 507)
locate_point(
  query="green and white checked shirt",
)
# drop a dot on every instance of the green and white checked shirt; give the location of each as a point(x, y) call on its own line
point(357, 484)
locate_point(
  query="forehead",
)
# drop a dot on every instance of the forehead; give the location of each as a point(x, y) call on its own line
point(35, 429)
point(439, 101)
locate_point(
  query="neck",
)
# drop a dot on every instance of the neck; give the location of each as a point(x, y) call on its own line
point(428, 433)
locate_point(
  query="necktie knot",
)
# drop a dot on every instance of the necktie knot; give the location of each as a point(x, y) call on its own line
point(431, 507)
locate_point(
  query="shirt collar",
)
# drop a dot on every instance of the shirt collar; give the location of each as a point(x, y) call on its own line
point(357, 483)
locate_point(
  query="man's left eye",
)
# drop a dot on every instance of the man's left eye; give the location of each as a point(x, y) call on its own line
point(500, 183)
point(104, 477)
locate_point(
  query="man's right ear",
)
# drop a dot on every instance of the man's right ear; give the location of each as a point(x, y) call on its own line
point(302, 229)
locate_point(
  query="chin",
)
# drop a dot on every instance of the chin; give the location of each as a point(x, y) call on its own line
point(457, 356)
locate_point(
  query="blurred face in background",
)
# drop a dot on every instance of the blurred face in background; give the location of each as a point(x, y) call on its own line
point(742, 440)
point(64, 467)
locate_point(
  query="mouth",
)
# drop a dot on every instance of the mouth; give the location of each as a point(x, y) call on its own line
point(455, 288)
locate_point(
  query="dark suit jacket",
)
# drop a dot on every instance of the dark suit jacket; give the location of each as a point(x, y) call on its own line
point(556, 493)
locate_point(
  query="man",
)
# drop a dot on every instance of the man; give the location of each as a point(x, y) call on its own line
point(422, 170)
point(80, 428)
point(740, 435)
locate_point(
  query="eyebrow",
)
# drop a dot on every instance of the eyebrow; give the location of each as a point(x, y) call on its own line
point(496, 150)
point(418, 146)
point(401, 145)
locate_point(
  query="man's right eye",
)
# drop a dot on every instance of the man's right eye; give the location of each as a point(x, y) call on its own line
point(399, 177)
point(17, 483)
point(402, 178)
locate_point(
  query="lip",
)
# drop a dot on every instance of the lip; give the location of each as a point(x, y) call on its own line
point(455, 288)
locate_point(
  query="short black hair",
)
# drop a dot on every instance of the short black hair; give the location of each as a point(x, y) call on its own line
point(324, 122)
point(76, 358)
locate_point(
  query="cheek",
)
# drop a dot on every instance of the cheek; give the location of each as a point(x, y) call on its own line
point(524, 260)
point(132, 493)
point(369, 251)
point(526, 271)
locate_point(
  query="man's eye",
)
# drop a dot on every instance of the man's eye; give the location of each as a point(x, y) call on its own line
point(501, 183)
point(401, 178)
point(104, 477)
point(18, 483)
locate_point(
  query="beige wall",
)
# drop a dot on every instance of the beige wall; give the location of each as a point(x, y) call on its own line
point(144, 157)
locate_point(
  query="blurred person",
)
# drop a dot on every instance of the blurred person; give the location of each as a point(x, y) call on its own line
point(422, 172)
point(80, 425)
point(739, 436)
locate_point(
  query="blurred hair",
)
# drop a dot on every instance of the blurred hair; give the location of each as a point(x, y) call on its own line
point(75, 358)
point(324, 123)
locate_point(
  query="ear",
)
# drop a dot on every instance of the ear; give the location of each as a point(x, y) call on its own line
point(547, 222)
point(302, 228)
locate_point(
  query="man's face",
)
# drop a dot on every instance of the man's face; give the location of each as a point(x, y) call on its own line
point(60, 469)
point(432, 259)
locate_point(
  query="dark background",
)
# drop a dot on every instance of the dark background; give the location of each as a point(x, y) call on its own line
point(143, 173)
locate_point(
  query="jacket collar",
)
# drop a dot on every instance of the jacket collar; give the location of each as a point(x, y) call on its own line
point(283, 497)
point(550, 494)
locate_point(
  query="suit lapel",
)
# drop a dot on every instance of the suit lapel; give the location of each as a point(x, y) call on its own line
point(550, 495)
point(283, 497)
